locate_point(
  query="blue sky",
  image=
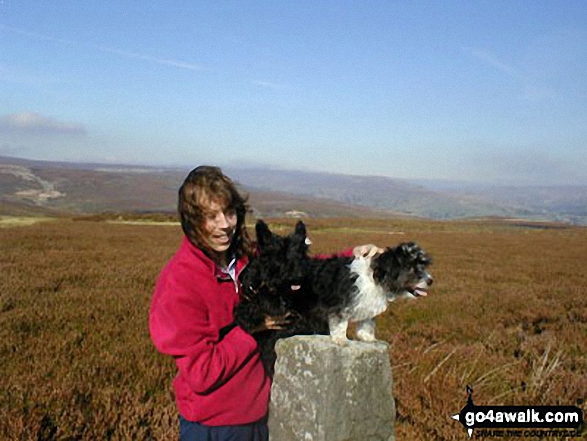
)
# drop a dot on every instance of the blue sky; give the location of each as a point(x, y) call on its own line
point(470, 90)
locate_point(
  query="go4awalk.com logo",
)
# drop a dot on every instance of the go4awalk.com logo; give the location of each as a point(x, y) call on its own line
point(520, 421)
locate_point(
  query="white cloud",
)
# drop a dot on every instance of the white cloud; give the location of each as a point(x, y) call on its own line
point(269, 85)
point(121, 53)
point(163, 61)
point(492, 60)
point(530, 86)
point(33, 123)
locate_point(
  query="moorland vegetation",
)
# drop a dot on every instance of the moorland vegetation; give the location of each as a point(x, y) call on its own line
point(507, 315)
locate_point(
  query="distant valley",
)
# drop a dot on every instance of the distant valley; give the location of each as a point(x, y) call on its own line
point(40, 187)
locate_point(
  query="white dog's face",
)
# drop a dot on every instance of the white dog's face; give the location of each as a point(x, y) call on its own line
point(402, 272)
point(421, 288)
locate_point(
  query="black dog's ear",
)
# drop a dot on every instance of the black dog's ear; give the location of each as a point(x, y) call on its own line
point(300, 229)
point(263, 233)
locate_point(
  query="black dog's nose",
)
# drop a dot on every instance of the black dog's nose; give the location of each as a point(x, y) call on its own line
point(429, 280)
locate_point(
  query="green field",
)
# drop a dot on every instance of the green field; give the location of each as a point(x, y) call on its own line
point(507, 315)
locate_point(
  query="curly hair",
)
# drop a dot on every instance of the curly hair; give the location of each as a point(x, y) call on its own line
point(204, 185)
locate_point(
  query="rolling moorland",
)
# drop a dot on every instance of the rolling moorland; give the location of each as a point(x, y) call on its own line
point(506, 315)
point(34, 186)
point(42, 188)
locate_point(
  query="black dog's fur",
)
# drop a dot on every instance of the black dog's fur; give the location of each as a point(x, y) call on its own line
point(273, 286)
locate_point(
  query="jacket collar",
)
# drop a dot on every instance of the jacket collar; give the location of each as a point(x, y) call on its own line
point(210, 264)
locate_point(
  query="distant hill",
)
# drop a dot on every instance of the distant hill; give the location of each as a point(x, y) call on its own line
point(57, 187)
point(371, 191)
point(561, 203)
point(564, 203)
point(50, 188)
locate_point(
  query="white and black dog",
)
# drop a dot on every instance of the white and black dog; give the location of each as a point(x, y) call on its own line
point(324, 295)
point(357, 289)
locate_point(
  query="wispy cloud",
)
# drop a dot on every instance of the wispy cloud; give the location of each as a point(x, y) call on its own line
point(36, 35)
point(532, 89)
point(163, 61)
point(179, 64)
point(269, 85)
point(33, 123)
point(492, 60)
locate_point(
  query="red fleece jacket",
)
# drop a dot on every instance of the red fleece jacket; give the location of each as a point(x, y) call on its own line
point(220, 381)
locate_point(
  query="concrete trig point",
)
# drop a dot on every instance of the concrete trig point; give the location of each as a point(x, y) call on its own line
point(326, 392)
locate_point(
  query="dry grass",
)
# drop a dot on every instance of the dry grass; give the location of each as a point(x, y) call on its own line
point(506, 316)
point(21, 221)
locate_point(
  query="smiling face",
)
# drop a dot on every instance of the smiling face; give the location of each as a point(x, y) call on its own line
point(219, 225)
point(212, 214)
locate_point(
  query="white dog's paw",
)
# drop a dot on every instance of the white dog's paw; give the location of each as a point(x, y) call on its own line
point(338, 327)
point(366, 330)
point(364, 336)
point(340, 340)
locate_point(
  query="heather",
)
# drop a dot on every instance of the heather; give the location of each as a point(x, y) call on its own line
point(506, 315)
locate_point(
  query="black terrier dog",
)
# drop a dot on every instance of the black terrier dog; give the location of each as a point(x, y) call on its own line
point(273, 286)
